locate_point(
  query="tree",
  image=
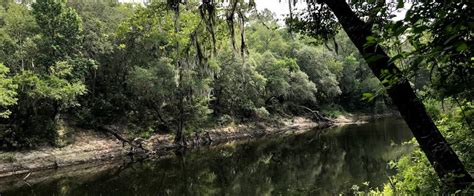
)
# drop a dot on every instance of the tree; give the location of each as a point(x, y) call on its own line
point(238, 87)
point(40, 49)
point(440, 36)
point(160, 42)
point(106, 61)
point(60, 29)
point(17, 37)
point(7, 92)
point(313, 63)
point(155, 88)
point(284, 79)
point(42, 98)
point(445, 162)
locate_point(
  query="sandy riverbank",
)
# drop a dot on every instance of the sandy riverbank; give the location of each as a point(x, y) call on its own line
point(92, 147)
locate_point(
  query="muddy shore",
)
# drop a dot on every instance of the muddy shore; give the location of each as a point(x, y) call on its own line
point(90, 147)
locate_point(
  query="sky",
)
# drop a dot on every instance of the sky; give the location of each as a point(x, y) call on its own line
point(280, 7)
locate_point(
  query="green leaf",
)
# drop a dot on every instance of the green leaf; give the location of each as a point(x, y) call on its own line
point(7, 92)
point(396, 57)
point(401, 4)
point(460, 47)
point(371, 40)
point(368, 97)
point(374, 58)
point(398, 28)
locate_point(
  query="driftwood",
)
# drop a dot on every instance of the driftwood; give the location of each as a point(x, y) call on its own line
point(315, 113)
point(135, 144)
point(28, 175)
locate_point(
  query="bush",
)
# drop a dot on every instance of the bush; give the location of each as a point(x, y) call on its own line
point(333, 110)
point(415, 173)
point(262, 113)
point(224, 120)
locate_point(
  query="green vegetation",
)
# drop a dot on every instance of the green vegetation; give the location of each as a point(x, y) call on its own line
point(7, 91)
point(171, 67)
point(415, 174)
point(425, 54)
point(93, 64)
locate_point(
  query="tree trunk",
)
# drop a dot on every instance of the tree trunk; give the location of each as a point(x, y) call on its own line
point(444, 160)
point(179, 138)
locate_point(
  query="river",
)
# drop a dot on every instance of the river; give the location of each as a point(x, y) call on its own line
point(319, 162)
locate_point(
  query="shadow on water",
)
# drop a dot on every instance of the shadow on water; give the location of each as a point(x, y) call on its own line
point(314, 163)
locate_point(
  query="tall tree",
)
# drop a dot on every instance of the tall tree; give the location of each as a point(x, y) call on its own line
point(7, 92)
point(47, 80)
point(444, 160)
point(60, 28)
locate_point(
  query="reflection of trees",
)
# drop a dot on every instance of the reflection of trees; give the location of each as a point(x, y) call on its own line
point(328, 164)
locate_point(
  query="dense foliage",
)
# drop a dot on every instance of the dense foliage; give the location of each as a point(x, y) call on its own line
point(152, 70)
point(415, 174)
point(171, 67)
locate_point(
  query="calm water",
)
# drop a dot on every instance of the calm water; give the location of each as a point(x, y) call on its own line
point(314, 163)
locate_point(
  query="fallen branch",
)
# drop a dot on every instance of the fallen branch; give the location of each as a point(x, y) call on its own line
point(135, 144)
point(315, 113)
point(24, 178)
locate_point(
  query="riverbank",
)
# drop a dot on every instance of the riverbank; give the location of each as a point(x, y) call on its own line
point(91, 146)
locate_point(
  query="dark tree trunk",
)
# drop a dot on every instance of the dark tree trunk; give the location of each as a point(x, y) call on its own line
point(444, 160)
point(179, 138)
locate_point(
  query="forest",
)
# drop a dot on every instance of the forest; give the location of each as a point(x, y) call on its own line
point(182, 67)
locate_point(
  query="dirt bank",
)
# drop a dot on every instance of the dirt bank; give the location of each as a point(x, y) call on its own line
point(88, 147)
point(92, 147)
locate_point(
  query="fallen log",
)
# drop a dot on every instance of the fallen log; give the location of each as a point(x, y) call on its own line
point(315, 113)
point(135, 144)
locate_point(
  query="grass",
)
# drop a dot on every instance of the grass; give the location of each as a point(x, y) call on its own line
point(7, 157)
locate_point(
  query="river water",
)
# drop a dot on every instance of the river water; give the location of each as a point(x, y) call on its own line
point(320, 162)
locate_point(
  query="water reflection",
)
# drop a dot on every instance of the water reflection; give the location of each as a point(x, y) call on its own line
point(312, 163)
